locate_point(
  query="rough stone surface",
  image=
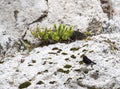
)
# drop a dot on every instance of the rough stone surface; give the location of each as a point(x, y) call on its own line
point(60, 68)
point(46, 66)
point(16, 15)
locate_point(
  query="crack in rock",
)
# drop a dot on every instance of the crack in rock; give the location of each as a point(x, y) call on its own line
point(44, 15)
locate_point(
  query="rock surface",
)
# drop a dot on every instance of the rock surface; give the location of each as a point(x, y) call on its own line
point(60, 66)
point(17, 15)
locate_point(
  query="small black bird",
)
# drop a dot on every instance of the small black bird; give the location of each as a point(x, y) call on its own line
point(87, 61)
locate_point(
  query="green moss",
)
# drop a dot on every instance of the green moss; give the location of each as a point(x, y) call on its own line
point(74, 49)
point(67, 66)
point(80, 62)
point(55, 48)
point(40, 82)
point(52, 82)
point(77, 70)
point(73, 56)
point(56, 34)
point(63, 71)
point(66, 59)
point(33, 61)
point(24, 85)
point(30, 65)
point(59, 50)
point(88, 33)
point(84, 50)
point(86, 71)
point(64, 53)
point(91, 51)
point(39, 73)
point(45, 71)
point(82, 55)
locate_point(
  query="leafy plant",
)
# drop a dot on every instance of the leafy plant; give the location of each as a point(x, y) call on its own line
point(88, 33)
point(57, 34)
point(64, 32)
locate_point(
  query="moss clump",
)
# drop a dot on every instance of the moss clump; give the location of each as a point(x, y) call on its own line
point(77, 70)
point(50, 62)
point(73, 56)
point(86, 71)
point(30, 65)
point(55, 48)
point(84, 50)
point(88, 33)
point(63, 71)
point(59, 50)
point(52, 82)
point(67, 66)
point(56, 34)
point(74, 49)
point(64, 53)
point(24, 85)
point(80, 62)
point(45, 71)
point(40, 82)
point(91, 51)
point(33, 61)
point(66, 59)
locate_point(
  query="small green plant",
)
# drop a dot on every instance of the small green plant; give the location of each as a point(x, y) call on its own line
point(57, 34)
point(88, 33)
point(64, 32)
point(41, 34)
point(24, 85)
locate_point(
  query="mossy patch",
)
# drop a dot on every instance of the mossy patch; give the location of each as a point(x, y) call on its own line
point(73, 56)
point(63, 53)
point(52, 82)
point(30, 65)
point(24, 85)
point(80, 62)
point(59, 50)
point(33, 61)
point(74, 49)
point(77, 70)
point(55, 48)
point(86, 71)
point(84, 50)
point(63, 71)
point(67, 66)
point(66, 59)
point(40, 82)
point(50, 62)
point(91, 51)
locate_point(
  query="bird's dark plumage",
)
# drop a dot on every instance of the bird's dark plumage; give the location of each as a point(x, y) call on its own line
point(87, 61)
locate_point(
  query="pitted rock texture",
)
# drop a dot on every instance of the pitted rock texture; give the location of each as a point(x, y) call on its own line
point(17, 15)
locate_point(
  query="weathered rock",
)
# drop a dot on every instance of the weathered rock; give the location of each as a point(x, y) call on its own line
point(18, 15)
